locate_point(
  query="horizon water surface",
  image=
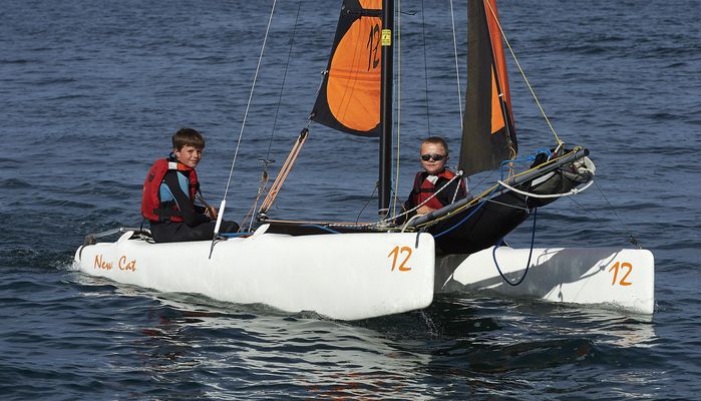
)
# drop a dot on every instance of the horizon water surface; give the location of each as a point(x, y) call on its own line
point(90, 93)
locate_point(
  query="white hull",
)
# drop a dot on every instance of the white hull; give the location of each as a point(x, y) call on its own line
point(358, 276)
point(610, 277)
point(346, 276)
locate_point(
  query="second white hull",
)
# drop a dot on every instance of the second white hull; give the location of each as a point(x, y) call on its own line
point(610, 277)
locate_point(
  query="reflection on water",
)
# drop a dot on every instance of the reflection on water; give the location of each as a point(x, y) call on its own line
point(215, 347)
point(210, 348)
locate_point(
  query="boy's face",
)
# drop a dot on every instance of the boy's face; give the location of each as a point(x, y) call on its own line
point(189, 155)
point(433, 166)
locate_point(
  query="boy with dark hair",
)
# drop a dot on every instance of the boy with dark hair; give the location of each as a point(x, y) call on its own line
point(434, 154)
point(170, 190)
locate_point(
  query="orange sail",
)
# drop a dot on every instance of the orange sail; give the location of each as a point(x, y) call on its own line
point(489, 135)
point(349, 98)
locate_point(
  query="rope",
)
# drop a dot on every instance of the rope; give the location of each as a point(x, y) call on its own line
point(284, 80)
point(222, 206)
point(261, 189)
point(523, 74)
point(267, 162)
point(236, 235)
point(457, 176)
point(248, 106)
point(494, 187)
point(321, 223)
point(322, 228)
point(423, 37)
point(457, 68)
point(414, 217)
point(377, 185)
point(504, 204)
point(530, 254)
point(631, 237)
point(624, 233)
point(574, 191)
point(457, 189)
point(484, 202)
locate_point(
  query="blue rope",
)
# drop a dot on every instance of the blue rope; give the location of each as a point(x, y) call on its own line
point(322, 227)
point(530, 254)
point(503, 164)
point(468, 216)
point(234, 235)
point(530, 158)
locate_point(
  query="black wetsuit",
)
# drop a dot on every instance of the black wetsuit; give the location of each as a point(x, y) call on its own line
point(196, 226)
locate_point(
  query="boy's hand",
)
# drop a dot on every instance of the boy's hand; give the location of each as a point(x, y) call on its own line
point(424, 210)
point(211, 212)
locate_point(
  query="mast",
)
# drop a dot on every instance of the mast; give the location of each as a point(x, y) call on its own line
point(385, 180)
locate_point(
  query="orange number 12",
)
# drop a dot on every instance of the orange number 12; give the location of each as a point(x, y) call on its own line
point(405, 250)
point(618, 266)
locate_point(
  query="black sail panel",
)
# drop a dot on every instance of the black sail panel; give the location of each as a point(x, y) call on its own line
point(489, 136)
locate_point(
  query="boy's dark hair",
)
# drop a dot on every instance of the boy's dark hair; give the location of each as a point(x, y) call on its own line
point(437, 140)
point(187, 136)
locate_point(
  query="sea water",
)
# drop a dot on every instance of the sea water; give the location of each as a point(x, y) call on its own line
point(90, 93)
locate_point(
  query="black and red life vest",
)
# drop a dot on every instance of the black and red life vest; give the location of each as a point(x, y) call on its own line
point(151, 207)
point(423, 189)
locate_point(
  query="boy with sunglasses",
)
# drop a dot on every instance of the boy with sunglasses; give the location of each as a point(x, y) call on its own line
point(434, 155)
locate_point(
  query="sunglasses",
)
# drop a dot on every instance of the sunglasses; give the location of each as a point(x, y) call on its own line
point(433, 156)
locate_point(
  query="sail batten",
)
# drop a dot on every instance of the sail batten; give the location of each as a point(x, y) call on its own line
point(489, 135)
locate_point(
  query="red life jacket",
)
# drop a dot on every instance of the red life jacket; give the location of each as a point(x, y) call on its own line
point(423, 189)
point(151, 207)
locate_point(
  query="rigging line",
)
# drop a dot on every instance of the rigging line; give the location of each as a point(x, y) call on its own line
point(423, 36)
point(248, 106)
point(472, 213)
point(457, 189)
point(261, 190)
point(457, 67)
point(633, 240)
point(457, 176)
point(523, 73)
point(574, 191)
point(596, 216)
point(324, 228)
point(530, 255)
point(494, 188)
point(284, 80)
point(507, 122)
point(285, 170)
point(483, 197)
point(377, 185)
point(504, 204)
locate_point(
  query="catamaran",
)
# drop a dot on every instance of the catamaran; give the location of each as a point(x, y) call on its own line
point(351, 271)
